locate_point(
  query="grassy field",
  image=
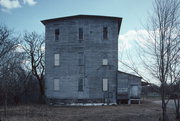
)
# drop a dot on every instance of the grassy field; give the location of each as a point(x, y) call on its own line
point(142, 112)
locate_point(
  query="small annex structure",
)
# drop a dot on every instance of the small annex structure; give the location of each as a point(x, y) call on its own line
point(128, 88)
point(81, 61)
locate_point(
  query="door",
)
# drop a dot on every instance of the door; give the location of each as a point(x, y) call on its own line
point(134, 91)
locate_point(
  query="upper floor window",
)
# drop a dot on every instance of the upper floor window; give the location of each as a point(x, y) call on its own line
point(105, 33)
point(81, 69)
point(56, 33)
point(105, 62)
point(80, 33)
point(56, 59)
point(81, 58)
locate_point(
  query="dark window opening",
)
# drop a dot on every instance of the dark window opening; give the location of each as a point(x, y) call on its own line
point(80, 85)
point(80, 33)
point(56, 34)
point(105, 33)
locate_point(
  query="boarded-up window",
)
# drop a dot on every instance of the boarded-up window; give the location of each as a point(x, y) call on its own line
point(81, 58)
point(105, 33)
point(105, 84)
point(56, 85)
point(105, 62)
point(80, 84)
point(56, 32)
point(56, 59)
point(80, 33)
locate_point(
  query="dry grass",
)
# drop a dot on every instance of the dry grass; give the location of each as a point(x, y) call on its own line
point(135, 112)
point(151, 98)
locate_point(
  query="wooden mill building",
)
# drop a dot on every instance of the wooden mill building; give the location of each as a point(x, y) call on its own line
point(81, 61)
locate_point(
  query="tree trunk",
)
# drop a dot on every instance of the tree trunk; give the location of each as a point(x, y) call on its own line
point(5, 106)
point(41, 89)
point(164, 116)
point(163, 94)
point(177, 113)
point(177, 110)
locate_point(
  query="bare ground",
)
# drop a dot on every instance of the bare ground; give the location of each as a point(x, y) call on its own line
point(143, 112)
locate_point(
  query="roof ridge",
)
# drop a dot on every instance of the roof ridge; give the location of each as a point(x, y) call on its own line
point(73, 16)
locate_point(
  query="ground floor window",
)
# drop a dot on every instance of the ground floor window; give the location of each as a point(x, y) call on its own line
point(105, 84)
point(56, 84)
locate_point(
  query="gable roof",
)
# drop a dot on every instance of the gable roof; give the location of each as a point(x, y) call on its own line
point(119, 19)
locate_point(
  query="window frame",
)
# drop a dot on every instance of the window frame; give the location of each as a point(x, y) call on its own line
point(104, 62)
point(81, 69)
point(56, 34)
point(105, 87)
point(105, 33)
point(81, 58)
point(56, 84)
point(56, 59)
point(80, 34)
point(80, 85)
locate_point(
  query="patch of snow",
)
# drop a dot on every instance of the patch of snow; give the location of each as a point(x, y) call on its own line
point(90, 104)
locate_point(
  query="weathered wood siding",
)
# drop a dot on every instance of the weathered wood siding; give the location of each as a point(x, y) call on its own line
point(94, 49)
point(129, 86)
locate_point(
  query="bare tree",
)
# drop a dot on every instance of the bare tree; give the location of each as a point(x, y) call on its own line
point(8, 43)
point(164, 48)
point(161, 49)
point(33, 45)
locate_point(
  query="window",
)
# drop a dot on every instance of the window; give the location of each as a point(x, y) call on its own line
point(56, 85)
point(81, 69)
point(80, 84)
point(56, 59)
point(81, 58)
point(105, 33)
point(80, 33)
point(105, 84)
point(105, 62)
point(56, 34)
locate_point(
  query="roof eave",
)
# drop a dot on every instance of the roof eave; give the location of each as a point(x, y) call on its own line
point(129, 74)
point(68, 17)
